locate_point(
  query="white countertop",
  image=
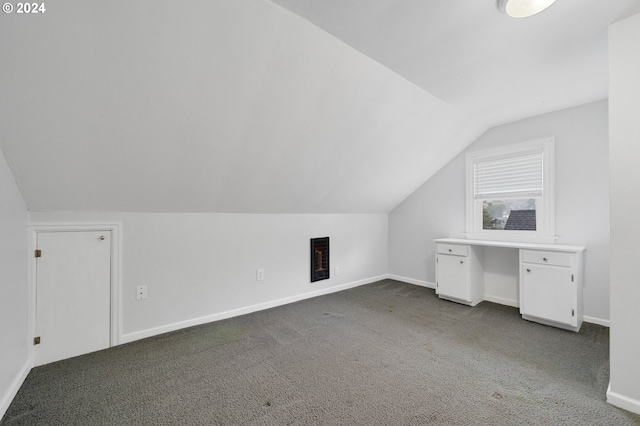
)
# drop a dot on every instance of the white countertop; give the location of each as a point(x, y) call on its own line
point(511, 244)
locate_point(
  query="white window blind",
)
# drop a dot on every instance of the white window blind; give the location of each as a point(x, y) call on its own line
point(519, 176)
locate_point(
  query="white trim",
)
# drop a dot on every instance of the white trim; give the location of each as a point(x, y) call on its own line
point(31, 291)
point(622, 401)
point(502, 301)
point(17, 382)
point(594, 320)
point(130, 337)
point(412, 281)
point(116, 271)
point(546, 214)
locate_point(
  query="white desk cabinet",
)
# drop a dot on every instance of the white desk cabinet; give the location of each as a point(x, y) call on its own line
point(459, 275)
point(551, 288)
point(550, 278)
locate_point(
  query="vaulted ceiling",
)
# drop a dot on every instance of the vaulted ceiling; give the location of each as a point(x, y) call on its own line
point(290, 106)
point(494, 68)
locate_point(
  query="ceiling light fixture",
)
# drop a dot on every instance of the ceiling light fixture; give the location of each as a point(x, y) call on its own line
point(523, 8)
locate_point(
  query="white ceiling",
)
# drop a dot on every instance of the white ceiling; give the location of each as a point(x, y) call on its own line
point(465, 52)
point(246, 107)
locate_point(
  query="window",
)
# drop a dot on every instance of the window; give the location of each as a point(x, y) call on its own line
point(510, 193)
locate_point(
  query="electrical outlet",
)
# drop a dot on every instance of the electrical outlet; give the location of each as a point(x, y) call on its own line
point(336, 271)
point(141, 292)
point(259, 274)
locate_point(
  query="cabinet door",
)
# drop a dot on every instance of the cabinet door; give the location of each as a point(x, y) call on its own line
point(453, 277)
point(548, 293)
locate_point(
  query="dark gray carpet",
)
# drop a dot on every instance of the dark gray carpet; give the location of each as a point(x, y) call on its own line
point(384, 353)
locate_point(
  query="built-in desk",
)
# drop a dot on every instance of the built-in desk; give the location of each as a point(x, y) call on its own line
point(550, 278)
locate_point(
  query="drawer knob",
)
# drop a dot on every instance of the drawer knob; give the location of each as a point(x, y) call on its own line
point(528, 270)
point(461, 261)
point(545, 259)
point(450, 250)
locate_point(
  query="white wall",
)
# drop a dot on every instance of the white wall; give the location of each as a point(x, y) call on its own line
point(14, 317)
point(624, 38)
point(200, 267)
point(110, 106)
point(437, 208)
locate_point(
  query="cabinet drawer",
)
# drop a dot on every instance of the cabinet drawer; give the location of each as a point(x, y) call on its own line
point(555, 258)
point(454, 249)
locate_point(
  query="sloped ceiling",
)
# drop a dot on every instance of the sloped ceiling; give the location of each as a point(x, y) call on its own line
point(487, 65)
point(246, 107)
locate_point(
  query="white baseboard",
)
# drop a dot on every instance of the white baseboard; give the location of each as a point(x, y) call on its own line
point(126, 338)
point(412, 281)
point(14, 388)
point(489, 298)
point(622, 401)
point(502, 301)
point(594, 320)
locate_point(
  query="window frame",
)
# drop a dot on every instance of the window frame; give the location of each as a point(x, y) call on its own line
point(545, 205)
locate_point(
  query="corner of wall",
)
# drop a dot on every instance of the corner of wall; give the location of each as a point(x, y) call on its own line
point(622, 401)
point(14, 387)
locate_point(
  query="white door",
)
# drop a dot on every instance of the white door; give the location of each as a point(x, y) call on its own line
point(73, 294)
point(549, 293)
point(453, 277)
